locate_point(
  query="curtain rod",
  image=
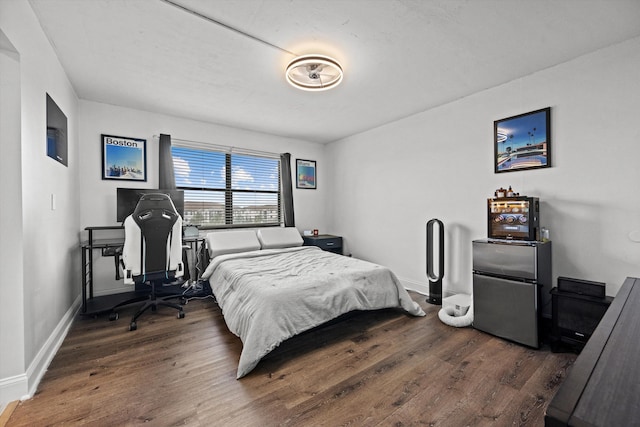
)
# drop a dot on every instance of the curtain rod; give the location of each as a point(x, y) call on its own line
point(225, 148)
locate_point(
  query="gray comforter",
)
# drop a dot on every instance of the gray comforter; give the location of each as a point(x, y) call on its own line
point(268, 296)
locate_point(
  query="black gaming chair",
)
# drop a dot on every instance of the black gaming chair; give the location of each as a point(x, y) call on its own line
point(152, 251)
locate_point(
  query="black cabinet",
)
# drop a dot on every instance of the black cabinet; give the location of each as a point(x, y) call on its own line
point(325, 242)
point(575, 317)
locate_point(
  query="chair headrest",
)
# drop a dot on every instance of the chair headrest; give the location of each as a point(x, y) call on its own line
point(155, 205)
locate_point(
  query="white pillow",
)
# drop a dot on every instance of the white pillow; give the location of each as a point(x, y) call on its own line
point(279, 237)
point(230, 242)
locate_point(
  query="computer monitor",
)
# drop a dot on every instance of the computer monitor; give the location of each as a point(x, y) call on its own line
point(127, 200)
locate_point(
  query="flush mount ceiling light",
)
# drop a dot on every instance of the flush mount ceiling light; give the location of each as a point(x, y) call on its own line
point(314, 72)
point(307, 72)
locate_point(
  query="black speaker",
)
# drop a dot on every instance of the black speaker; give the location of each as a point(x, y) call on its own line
point(575, 316)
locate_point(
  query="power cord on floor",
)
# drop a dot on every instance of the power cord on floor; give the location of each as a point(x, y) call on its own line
point(197, 289)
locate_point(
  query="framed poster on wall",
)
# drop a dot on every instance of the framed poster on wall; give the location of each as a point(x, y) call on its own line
point(523, 141)
point(123, 158)
point(306, 174)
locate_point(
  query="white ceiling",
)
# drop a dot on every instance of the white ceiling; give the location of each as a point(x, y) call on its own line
point(400, 57)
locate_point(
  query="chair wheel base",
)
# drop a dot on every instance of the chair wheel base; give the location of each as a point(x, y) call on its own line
point(113, 316)
point(181, 315)
point(133, 326)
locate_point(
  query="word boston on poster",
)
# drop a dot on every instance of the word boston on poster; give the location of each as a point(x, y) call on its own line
point(123, 142)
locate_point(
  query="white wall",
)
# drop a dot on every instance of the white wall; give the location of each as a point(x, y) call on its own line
point(11, 245)
point(48, 279)
point(98, 205)
point(388, 182)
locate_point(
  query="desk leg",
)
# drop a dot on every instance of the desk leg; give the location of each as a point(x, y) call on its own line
point(201, 258)
point(91, 264)
point(196, 259)
point(84, 279)
point(197, 252)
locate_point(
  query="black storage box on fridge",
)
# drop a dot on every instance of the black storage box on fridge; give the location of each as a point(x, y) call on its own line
point(513, 218)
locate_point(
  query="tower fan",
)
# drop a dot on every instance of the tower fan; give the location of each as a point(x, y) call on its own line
point(435, 260)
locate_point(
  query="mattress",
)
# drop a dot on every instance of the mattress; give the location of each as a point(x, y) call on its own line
point(270, 295)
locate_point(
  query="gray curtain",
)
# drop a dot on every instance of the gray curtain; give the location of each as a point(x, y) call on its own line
point(165, 164)
point(287, 190)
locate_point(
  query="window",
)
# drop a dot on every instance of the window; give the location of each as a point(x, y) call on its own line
point(227, 189)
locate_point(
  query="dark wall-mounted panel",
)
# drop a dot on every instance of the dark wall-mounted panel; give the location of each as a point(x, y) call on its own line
point(56, 132)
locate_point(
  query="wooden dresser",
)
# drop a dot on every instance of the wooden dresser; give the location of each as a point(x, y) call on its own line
point(603, 386)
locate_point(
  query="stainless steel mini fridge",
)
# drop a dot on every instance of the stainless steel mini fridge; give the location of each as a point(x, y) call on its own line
point(511, 285)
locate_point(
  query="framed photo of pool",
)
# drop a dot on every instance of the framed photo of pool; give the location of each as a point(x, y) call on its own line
point(523, 141)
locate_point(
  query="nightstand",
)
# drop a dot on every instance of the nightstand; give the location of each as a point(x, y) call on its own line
point(325, 242)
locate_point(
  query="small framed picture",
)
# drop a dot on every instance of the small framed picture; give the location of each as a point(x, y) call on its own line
point(123, 158)
point(523, 141)
point(306, 174)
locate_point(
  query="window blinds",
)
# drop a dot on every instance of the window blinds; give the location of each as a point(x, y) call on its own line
point(227, 187)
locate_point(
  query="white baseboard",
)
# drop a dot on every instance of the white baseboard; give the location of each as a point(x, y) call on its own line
point(24, 386)
point(410, 285)
point(111, 291)
point(13, 388)
point(421, 288)
point(41, 362)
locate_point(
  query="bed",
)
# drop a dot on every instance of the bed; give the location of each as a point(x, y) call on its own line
point(271, 288)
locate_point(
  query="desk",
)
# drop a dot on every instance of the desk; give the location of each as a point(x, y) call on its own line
point(108, 247)
point(603, 387)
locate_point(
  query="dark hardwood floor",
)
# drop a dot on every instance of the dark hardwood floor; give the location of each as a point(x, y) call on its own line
point(381, 368)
